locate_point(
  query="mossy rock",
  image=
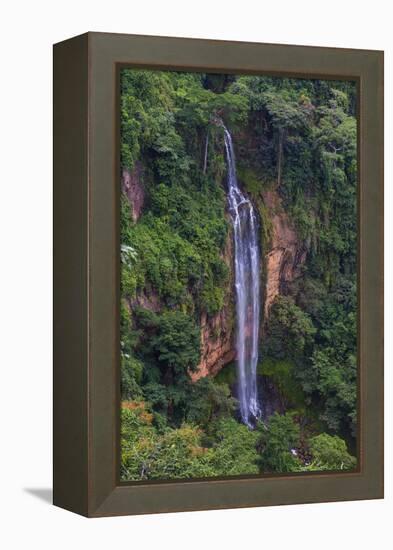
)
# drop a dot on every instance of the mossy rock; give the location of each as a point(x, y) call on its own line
point(282, 374)
point(227, 375)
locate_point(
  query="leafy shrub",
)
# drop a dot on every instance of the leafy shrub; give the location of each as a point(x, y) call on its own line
point(330, 453)
point(290, 329)
point(234, 451)
point(276, 443)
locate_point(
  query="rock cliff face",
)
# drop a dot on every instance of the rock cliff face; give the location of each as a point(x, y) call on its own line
point(286, 254)
point(132, 186)
point(217, 344)
point(149, 301)
point(218, 331)
point(282, 263)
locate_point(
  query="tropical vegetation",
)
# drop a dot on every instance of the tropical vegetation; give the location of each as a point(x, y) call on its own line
point(298, 139)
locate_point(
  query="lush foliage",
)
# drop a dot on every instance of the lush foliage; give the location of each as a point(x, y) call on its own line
point(277, 444)
point(298, 139)
point(330, 453)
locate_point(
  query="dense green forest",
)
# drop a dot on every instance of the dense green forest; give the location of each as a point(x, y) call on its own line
point(297, 140)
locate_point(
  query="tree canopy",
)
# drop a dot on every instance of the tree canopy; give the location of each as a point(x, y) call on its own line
point(298, 138)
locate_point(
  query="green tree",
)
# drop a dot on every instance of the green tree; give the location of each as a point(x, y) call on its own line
point(330, 453)
point(179, 454)
point(234, 451)
point(177, 342)
point(147, 454)
point(290, 330)
point(287, 116)
point(276, 442)
point(208, 401)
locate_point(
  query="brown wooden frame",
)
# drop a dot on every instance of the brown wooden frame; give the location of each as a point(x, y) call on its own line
point(86, 274)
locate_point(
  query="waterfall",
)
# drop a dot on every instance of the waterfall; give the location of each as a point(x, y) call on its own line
point(247, 265)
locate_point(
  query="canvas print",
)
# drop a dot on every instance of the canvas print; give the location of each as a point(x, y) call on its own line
point(238, 248)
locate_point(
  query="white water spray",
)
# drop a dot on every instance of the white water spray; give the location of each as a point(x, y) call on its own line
point(247, 266)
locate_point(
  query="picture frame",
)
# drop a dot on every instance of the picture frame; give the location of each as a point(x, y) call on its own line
point(86, 273)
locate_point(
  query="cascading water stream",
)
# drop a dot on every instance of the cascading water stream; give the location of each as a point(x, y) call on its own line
point(247, 266)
